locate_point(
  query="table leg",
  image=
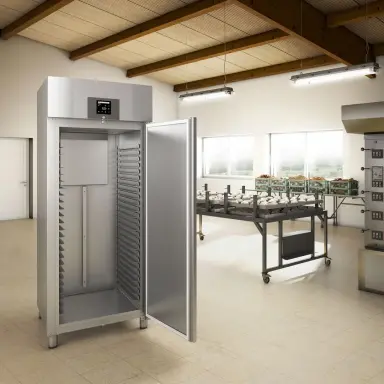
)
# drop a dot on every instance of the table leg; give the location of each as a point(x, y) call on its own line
point(200, 233)
point(265, 275)
point(280, 241)
point(335, 223)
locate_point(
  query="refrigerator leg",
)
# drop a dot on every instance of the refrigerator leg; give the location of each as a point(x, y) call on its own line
point(52, 341)
point(143, 322)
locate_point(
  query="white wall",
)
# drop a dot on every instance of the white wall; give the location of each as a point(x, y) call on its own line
point(273, 104)
point(24, 64)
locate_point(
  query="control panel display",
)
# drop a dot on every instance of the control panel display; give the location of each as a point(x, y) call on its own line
point(377, 153)
point(377, 196)
point(377, 215)
point(377, 235)
point(103, 107)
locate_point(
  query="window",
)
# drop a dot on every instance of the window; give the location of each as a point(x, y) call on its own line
point(308, 153)
point(230, 156)
point(288, 154)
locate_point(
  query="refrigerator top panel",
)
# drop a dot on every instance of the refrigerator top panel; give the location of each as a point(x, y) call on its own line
point(69, 98)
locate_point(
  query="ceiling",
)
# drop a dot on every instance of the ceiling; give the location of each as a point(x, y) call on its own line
point(371, 29)
point(85, 21)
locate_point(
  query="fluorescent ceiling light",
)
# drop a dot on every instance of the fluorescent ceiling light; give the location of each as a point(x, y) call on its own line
point(336, 74)
point(206, 95)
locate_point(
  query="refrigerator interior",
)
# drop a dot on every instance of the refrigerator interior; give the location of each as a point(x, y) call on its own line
point(100, 223)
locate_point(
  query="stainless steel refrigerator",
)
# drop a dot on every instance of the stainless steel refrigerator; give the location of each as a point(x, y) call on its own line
point(116, 210)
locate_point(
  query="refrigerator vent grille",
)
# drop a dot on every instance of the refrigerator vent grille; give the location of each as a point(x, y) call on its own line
point(129, 185)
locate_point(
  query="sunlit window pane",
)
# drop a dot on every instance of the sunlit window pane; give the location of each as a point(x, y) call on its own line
point(216, 160)
point(288, 154)
point(228, 156)
point(242, 149)
point(325, 154)
point(309, 153)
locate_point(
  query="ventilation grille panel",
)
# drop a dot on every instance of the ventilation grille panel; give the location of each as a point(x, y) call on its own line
point(129, 186)
point(61, 233)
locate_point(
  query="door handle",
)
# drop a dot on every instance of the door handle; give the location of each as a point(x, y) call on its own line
point(24, 182)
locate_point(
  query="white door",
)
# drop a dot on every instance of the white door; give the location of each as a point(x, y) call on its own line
point(13, 179)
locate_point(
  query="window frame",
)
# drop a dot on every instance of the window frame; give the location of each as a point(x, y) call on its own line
point(306, 163)
point(205, 176)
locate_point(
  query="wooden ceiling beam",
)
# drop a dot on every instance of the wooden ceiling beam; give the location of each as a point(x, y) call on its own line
point(33, 16)
point(302, 20)
point(278, 69)
point(163, 21)
point(207, 53)
point(355, 14)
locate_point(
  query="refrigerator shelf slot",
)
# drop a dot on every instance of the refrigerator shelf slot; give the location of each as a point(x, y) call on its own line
point(128, 196)
point(131, 221)
point(127, 244)
point(129, 211)
point(129, 228)
point(129, 204)
point(134, 256)
point(61, 234)
point(130, 234)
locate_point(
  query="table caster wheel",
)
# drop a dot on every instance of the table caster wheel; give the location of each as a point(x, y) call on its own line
point(328, 262)
point(201, 237)
point(266, 279)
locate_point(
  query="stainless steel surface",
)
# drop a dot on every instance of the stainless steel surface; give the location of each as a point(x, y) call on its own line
point(98, 321)
point(68, 98)
point(170, 225)
point(94, 305)
point(52, 342)
point(85, 159)
point(78, 201)
point(191, 231)
point(143, 322)
point(84, 239)
point(100, 242)
point(363, 118)
point(371, 267)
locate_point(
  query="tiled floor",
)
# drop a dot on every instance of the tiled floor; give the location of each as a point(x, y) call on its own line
point(309, 325)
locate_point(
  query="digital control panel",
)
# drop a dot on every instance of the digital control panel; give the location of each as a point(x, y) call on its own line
point(103, 107)
point(377, 235)
point(377, 215)
point(377, 153)
point(377, 196)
